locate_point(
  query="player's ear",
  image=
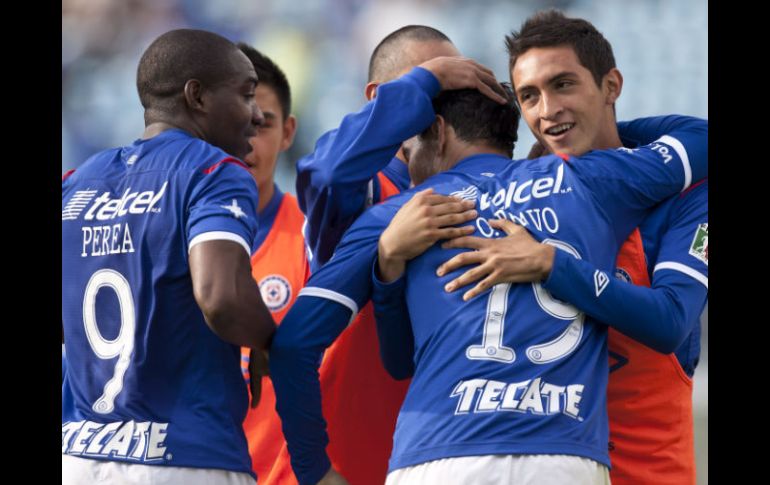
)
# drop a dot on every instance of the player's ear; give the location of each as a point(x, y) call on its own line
point(289, 130)
point(440, 126)
point(193, 94)
point(370, 91)
point(612, 84)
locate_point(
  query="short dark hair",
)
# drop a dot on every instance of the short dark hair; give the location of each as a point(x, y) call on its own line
point(476, 118)
point(387, 59)
point(178, 56)
point(552, 28)
point(271, 75)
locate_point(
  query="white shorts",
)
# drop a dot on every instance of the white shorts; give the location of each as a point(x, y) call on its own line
point(84, 471)
point(504, 470)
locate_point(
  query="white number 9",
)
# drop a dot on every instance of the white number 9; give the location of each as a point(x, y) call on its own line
point(123, 345)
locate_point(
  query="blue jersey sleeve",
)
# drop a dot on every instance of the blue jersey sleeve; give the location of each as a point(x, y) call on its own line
point(660, 317)
point(643, 131)
point(222, 205)
point(627, 182)
point(324, 308)
point(333, 181)
point(684, 246)
point(295, 355)
point(663, 315)
point(394, 327)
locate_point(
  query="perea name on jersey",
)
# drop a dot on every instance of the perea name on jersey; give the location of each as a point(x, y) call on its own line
point(533, 396)
point(110, 239)
point(140, 441)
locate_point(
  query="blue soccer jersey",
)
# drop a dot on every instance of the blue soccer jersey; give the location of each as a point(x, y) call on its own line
point(147, 380)
point(514, 370)
point(675, 238)
point(671, 317)
point(337, 181)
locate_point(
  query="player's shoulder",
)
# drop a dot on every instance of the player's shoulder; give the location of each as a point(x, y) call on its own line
point(95, 165)
point(699, 191)
point(692, 202)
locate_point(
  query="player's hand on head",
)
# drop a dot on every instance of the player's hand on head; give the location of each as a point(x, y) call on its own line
point(465, 73)
point(516, 258)
point(258, 368)
point(333, 478)
point(425, 219)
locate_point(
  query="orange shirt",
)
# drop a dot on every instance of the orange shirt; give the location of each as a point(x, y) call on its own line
point(649, 401)
point(360, 401)
point(280, 268)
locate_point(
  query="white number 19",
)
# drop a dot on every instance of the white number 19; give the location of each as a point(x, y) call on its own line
point(492, 348)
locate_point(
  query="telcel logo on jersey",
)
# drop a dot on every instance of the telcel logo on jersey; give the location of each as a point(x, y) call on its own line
point(105, 208)
point(142, 441)
point(524, 191)
point(115, 238)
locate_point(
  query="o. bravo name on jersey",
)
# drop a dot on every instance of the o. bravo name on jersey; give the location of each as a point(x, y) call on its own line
point(140, 441)
point(114, 238)
point(533, 396)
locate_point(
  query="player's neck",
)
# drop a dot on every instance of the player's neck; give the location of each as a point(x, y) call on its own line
point(157, 121)
point(610, 140)
point(265, 194)
point(461, 151)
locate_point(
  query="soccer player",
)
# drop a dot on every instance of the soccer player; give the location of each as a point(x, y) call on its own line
point(560, 67)
point(459, 358)
point(157, 293)
point(278, 261)
point(346, 173)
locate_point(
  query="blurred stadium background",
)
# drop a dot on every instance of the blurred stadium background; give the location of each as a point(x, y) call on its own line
point(661, 47)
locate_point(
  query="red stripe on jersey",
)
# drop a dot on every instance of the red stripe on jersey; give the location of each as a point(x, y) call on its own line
point(563, 156)
point(692, 187)
point(225, 160)
point(67, 174)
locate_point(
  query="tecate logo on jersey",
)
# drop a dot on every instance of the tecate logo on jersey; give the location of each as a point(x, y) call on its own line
point(136, 441)
point(105, 208)
point(521, 192)
point(533, 396)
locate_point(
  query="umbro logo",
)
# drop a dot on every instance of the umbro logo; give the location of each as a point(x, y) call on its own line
point(601, 280)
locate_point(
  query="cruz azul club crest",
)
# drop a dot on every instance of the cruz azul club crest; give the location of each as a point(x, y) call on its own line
point(276, 292)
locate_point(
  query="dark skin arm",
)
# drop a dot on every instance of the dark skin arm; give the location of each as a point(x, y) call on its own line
point(231, 302)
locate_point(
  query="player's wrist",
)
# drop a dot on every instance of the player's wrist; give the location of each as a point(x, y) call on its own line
point(547, 254)
point(390, 266)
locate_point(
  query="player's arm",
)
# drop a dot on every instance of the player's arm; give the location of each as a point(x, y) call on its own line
point(394, 326)
point(643, 131)
point(660, 316)
point(220, 227)
point(426, 218)
point(227, 294)
point(323, 309)
point(332, 182)
point(626, 183)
